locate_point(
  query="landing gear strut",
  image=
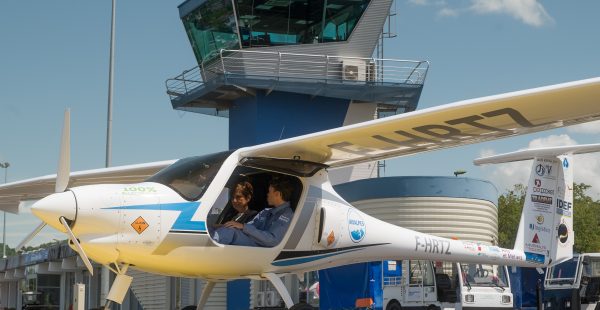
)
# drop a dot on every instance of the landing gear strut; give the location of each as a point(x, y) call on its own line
point(120, 286)
point(280, 287)
point(205, 293)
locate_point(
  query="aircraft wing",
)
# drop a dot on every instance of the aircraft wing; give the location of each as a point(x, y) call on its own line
point(459, 123)
point(12, 194)
point(529, 154)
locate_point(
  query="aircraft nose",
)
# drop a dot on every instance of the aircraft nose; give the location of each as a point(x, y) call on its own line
point(51, 208)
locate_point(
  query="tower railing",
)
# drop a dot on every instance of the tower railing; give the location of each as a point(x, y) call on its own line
point(301, 68)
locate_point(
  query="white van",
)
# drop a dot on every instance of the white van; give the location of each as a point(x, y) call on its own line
point(438, 285)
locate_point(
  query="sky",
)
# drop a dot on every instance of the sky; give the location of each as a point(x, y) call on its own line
point(54, 55)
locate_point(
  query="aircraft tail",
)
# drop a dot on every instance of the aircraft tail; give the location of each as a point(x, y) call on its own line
point(545, 232)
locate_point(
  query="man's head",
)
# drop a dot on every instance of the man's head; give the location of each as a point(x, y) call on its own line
point(280, 191)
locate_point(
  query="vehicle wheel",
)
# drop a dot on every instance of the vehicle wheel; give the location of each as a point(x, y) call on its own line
point(302, 306)
point(433, 307)
point(394, 305)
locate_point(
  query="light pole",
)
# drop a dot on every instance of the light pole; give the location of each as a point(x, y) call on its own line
point(4, 165)
point(105, 275)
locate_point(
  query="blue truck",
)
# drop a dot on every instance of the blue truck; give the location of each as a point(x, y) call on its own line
point(573, 284)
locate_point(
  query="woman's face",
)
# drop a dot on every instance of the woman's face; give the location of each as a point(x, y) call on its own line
point(240, 202)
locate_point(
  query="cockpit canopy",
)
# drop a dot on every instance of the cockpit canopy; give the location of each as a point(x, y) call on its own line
point(191, 176)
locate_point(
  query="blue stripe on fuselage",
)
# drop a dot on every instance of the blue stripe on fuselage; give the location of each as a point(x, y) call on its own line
point(184, 220)
point(303, 260)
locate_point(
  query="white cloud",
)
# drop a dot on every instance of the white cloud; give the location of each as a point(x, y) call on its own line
point(504, 176)
point(419, 2)
point(530, 12)
point(585, 128)
point(554, 140)
point(448, 12)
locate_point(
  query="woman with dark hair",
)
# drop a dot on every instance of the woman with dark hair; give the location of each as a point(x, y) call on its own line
point(240, 198)
point(242, 194)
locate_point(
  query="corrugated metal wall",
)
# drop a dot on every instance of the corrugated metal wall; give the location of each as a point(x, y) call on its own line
point(151, 290)
point(462, 218)
point(154, 292)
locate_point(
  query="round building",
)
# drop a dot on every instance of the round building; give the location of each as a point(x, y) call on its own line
point(450, 207)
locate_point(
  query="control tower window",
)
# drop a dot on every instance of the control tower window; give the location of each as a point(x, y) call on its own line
point(283, 22)
point(212, 25)
point(210, 28)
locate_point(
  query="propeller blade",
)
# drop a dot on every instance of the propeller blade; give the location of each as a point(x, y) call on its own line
point(64, 162)
point(30, 236)
point(80, 250)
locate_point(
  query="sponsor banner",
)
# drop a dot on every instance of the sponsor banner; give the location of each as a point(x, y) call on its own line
point(540, 205)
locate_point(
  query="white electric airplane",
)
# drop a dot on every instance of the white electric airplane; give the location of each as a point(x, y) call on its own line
point(164, 223)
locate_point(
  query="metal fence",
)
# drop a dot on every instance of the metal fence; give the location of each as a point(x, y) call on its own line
point(299, 67)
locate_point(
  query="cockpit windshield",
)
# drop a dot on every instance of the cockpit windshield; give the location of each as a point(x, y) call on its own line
point(591, 267)
point(484, 275)
point(191, 176)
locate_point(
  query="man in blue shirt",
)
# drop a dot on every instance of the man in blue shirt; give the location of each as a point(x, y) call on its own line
point(269, 226)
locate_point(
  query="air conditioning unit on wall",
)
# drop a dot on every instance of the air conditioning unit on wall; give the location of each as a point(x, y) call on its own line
point(354, 70)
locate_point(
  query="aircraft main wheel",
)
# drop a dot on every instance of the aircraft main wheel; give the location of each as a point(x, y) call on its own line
point(302, 306)
point(394, 305)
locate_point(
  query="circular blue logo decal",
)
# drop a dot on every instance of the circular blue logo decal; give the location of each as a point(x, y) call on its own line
point(356, 226)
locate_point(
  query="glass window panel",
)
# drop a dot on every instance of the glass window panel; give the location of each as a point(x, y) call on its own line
point(341, 16)
point(283, 22)
point(210, 28)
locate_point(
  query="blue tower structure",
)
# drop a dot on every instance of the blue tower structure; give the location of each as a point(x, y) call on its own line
point(283, 68)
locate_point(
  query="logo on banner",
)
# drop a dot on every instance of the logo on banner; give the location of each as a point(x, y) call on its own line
point(565, 163)
point(536, 239)
point(539, 228)
point(563, 207)
point(542, 190)
point(540, 170)
point(540, 219)
point(563, 233)
point(544, 170)
point(538, 183)
point(541, 199)
point(533, 257)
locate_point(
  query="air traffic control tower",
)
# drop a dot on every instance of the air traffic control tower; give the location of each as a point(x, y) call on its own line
point(283, 68)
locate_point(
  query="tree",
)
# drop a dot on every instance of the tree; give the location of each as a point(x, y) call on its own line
point(510, 206)
point(586, 220)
